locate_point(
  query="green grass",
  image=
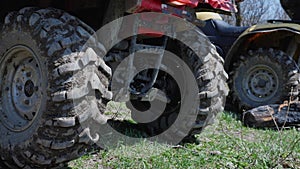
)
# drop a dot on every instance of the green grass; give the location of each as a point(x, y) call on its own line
point(227, 144)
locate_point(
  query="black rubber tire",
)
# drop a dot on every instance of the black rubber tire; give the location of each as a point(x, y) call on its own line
point(74, 82)
point(282, 69)
point(208, 70)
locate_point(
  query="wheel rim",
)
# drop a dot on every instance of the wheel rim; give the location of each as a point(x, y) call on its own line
point(261, 84)
point(21, 94)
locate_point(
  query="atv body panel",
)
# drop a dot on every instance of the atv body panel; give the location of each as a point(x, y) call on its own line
point(283, 36)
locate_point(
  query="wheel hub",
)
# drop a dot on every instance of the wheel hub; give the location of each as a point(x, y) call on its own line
point(21, 79)
point(29, 88)
point(261, 83)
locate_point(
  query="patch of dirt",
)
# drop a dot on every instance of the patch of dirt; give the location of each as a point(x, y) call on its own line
point(94, 161)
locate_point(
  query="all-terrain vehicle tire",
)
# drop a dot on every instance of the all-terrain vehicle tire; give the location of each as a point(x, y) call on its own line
point(50, 83)
point(262, 77)
point(207, 67)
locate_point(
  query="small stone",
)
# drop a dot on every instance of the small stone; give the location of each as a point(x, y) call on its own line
point(230, 165)
point(215, 153)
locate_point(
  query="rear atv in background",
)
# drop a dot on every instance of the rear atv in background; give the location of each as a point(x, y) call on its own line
point(52, 82)
point(262, 61)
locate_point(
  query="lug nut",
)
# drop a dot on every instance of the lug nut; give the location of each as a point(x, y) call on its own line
point(26, 102)
point(19, 88)
point(28, 74)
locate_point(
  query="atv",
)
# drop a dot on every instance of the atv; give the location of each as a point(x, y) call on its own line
point(263, 63)
point(56, 74)
point(262, 60)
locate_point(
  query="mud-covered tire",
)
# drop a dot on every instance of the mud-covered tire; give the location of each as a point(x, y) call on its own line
point(207, 68)
point(64, 84)
point(263, 77)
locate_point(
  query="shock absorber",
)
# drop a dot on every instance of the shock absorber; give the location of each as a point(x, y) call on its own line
point(154, 54)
